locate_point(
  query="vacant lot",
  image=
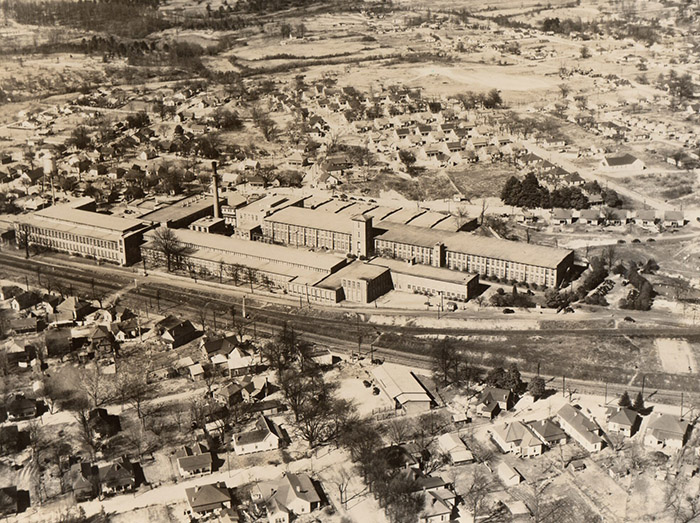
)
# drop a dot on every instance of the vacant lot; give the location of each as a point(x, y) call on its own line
point(481, 180)
point(676, 356)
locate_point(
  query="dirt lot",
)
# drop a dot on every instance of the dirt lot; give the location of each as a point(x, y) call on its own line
point(481, 180)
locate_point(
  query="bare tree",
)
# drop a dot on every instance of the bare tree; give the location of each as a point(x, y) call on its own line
point(475, 497)
point(95, 386)
point(167, 243)
point(234, 271)
point(398, 431)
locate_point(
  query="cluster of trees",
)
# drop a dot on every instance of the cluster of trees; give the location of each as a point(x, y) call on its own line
point(451, 365)
point(395, 489)
point(680, 87)
point(610, 196)
point(508, 379)
point(512, 299)
point(531, 194)
point(265, 124)
point(490, 100)
point(132, 18)
point(320, 415)
point(626, 402)
point(642, 297)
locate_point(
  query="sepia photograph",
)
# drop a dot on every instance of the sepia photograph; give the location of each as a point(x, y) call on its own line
point(371, 261)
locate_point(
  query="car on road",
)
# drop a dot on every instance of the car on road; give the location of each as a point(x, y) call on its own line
point(650, 240)
point(630, 319)
point(508, 311)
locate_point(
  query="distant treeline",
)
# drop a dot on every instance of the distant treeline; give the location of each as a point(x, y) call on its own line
point(128, 18)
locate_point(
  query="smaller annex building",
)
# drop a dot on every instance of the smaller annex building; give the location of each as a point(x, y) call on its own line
point(404, 388)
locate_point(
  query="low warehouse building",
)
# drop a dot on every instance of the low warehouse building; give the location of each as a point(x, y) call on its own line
point(425, 279)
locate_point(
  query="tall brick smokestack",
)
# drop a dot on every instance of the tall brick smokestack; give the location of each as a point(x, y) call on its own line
point(217, 210)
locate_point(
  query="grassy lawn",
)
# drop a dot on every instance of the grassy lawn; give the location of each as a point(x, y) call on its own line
point(668, 186)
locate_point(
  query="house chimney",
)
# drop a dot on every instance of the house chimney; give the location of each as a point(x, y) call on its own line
point(217, 210)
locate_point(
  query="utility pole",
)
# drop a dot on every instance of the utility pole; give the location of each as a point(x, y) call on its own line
point(563, 386)
point(26, 282)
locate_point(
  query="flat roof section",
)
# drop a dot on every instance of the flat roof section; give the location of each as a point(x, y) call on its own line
point(466, 243)
point(181, 209)
point(67, 215)
point(314, 219)
point(277, 253)
point(424, 271)
point(357, 271)
point(71, 228)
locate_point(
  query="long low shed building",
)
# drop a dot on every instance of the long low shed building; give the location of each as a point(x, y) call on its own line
point(215, 252)
point(75, 231)
point(476, 254)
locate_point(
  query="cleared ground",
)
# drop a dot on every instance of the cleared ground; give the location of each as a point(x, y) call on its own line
point(676, 356)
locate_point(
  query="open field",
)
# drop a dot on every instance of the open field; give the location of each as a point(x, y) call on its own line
point(676, 356)
point(481, 180)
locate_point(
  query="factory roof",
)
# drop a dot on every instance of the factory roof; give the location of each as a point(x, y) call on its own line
point(181, 209)
point(461, 242)
point(315, 219)
point(404, 215)
point(428, 219)
point(210, 244)
point(424, 271)
point(69, 216)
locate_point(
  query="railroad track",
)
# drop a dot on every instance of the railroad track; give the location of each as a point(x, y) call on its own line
point(268, 320)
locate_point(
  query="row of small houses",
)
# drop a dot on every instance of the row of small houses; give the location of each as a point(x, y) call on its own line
point(528, 439)
point(613, 217)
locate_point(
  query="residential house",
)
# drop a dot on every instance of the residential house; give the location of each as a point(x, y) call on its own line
point(508, 474)
point(518, 438)
point(561, 217)
point(75, 307)
point(24, 325)
point(176, 332)
point(204, 499)
point(84, 481)
point(241, 361)
point(645, 218)
point(103, 424)
point(101, 339)
point(222, 346)
point(452, 445)
point(493, 400)
point(624, 421)
point(440, 505)
point(666, 431)
point(292, 494)
point(20, 408)
point(119, 476)
point(589, 217)
point(24, 301)
point(617, 217)
point(9, 291)
point(674, 219)
point(399, 457)
point(193, 461)
point(267, 435)
point(549, 432)
point(11, 501)
point(581, 428)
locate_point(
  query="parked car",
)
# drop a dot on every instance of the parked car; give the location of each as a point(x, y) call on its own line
point(508, 311)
